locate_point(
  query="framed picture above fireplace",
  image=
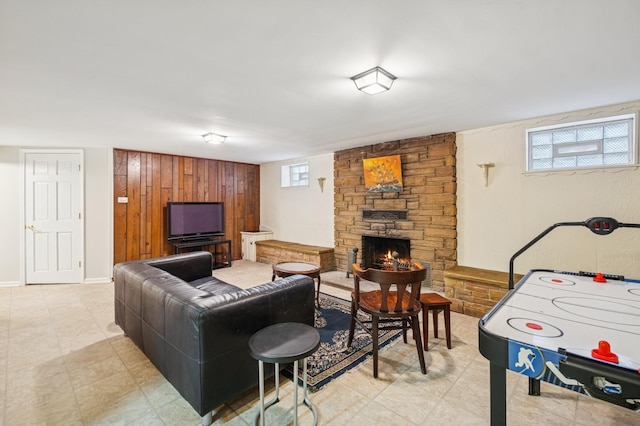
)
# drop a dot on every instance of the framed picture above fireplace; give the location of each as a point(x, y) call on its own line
point(383, 174)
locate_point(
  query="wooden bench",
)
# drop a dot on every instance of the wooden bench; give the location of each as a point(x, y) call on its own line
point(474, 291)
point(272, 251)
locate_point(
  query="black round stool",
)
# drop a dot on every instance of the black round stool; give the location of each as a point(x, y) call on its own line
point(283, 343)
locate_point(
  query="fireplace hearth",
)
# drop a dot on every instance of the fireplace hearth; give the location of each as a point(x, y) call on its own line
point(386, 253)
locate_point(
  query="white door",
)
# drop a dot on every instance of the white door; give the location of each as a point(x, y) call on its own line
point(53, 218)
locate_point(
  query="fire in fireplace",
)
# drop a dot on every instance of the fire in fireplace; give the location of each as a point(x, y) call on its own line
point(386, 253)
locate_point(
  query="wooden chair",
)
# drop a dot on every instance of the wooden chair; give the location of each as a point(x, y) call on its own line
point(390, 308)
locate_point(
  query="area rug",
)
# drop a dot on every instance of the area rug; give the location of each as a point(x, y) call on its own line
point(334, 358)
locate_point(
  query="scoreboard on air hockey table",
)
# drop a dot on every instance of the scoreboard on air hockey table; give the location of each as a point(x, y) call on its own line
point(579, 330)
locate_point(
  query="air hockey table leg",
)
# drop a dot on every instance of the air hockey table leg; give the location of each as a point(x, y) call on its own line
point(534, 386)
point(498, 384)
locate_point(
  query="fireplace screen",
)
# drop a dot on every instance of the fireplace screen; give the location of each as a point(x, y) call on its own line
point(386, 253)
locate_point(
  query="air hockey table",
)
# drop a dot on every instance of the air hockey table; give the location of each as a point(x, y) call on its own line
point(578, 330)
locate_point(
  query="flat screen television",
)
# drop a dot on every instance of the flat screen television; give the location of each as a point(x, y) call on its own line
point(194, 220)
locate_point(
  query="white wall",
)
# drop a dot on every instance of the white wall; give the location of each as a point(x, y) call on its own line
point(495, 221)
point(302, 214)
point(98, 210)
point(9, 216)
point(98, 215)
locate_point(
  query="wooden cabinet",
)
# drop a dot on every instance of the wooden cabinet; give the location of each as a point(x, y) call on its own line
point(248, 243)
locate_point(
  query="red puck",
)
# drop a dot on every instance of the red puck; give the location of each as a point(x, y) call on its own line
point(534, 326)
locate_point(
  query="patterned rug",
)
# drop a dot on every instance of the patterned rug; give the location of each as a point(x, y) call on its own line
point(334, 358)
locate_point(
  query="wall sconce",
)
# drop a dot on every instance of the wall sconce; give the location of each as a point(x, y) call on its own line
point(213, 138)
point(321, 183)
point(375, 80)
point(486, 167)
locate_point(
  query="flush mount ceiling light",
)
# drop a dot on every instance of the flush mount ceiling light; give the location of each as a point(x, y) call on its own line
point(213, 138)
point(373, 81)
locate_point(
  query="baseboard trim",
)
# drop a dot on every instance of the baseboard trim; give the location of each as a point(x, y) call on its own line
point(103, 280)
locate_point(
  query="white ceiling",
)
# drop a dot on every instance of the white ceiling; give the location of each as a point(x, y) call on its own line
point(273, 75)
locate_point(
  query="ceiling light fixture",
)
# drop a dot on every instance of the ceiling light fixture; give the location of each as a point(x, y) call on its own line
point(373, 81)
point(213, 138)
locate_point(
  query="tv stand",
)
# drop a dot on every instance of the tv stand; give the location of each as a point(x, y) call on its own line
point(221, 250)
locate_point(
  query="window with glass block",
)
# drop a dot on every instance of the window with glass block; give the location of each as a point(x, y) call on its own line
point(608, 142)
point(295, 175)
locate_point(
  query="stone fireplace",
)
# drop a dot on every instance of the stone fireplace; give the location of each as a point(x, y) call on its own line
point(386, 253)
point(422, 214)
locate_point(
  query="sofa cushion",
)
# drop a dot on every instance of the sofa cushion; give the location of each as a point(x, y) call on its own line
point(214, 286)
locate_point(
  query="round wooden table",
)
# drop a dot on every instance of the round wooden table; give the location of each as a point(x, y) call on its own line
point(286, 269)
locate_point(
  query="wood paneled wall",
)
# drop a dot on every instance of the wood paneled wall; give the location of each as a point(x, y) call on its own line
point(150, 180)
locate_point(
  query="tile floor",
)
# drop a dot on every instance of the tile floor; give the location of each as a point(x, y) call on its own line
point(63, 361)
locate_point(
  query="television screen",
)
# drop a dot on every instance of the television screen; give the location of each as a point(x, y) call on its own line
point(194, 220)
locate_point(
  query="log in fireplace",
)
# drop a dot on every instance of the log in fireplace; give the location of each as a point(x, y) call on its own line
point(386, 253)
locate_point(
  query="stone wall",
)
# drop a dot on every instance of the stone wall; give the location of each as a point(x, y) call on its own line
point(428, 195)
point(474, 291)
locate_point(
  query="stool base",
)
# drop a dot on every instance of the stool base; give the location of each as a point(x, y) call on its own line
point(305, 399)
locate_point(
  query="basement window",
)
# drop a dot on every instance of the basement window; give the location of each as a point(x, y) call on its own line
point(295, 175)
point(608, 142)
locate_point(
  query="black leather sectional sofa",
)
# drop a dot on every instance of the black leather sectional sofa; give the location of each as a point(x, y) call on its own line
point(194, 328)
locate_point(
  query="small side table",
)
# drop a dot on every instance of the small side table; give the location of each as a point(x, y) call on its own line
point(283, 343)
point(435, 303)
point(286, 269)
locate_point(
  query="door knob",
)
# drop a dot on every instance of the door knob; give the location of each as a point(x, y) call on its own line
point(30, 227)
